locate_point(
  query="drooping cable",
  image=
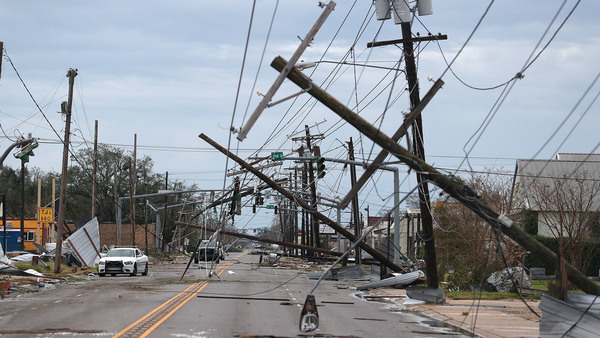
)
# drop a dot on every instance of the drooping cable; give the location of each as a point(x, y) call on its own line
point(237, 95)
point(469, 38)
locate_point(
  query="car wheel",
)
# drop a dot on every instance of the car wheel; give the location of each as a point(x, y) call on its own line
point(101, 274)
point(145, 273)
point(134, 272)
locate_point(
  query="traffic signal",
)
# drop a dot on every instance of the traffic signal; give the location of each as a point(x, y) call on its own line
point(26, 151)
point(259, 199)
point(238, 204)
point(320, 167)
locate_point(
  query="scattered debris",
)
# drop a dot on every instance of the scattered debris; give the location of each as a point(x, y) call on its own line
point(503, 280)
point(351, 273)
point(33, 273)
point(317, 275)
point(396, 280)
point(430, 295)
point(373, 319)
point(368, 297)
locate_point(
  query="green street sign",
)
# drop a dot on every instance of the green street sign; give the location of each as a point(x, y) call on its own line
point(277, 156)
point(270, 206)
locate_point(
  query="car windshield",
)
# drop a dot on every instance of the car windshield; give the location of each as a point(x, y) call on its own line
point(208, 244)
point(121, 253)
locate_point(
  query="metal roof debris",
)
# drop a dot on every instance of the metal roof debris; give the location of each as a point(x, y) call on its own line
point(85, 242)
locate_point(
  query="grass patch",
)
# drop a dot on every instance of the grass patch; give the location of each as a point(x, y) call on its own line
point(49, 271)
point(540, 285)
point(470, 295)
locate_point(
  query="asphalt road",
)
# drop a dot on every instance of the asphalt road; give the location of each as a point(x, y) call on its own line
point(239, 299)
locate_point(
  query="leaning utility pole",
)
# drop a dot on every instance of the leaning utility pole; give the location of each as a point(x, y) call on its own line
point(131, 203)
point(65, 109)
point(452, 186)
point(94, 173)
point(314, 222)
point(1, 55)
point(355, 212)
point(419, 150)
point(22, 205)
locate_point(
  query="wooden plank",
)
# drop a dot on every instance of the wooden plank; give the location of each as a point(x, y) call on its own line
point(77, 252)
point(91, 241)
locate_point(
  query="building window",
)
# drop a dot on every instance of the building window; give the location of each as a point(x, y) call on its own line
point(30, 236)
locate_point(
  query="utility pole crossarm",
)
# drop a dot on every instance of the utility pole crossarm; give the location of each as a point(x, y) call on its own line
point(269, 95)
point(411, 40)
point(459, 191)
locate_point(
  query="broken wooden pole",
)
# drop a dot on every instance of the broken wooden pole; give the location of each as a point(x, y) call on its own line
point(275, 86)
point(341, 230)
point(451, 185)
point(373, 166)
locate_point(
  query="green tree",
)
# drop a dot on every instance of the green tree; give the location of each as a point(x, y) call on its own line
point(10, 184)
point(112, 180)
point(465, 244)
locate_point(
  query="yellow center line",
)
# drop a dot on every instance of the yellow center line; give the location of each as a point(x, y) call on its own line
point(168, 308)
point(172, 311)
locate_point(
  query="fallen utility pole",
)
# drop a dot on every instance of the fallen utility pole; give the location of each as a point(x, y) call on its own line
point(452, 186)
point(376, 254)
point(266, 240)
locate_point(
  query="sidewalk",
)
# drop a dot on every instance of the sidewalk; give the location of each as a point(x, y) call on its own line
point(493, 318)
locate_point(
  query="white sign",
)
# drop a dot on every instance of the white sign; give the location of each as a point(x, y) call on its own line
point(325, 229)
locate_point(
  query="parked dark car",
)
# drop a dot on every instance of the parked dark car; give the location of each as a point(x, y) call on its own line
point(209, 252)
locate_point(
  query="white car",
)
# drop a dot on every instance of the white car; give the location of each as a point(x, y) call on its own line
point(123, 260)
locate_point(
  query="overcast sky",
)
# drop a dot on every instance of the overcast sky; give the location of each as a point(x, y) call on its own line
point(168, 71)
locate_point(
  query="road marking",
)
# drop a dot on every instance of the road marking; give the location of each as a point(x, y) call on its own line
point(148, 323)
